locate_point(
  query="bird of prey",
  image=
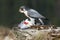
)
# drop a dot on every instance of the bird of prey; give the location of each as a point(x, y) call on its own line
point(31, 13)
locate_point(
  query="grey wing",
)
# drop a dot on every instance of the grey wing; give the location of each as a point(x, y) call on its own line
point(35, 14)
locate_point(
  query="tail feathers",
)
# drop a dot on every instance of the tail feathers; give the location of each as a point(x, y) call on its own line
point(44, 18)
point(46, 21)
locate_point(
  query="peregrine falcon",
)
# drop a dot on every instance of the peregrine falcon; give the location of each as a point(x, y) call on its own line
point(31, 13)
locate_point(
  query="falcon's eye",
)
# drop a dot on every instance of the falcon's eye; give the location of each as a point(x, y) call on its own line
point(22, 9)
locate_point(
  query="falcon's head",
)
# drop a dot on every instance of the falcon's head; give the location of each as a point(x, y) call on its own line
point(23, 9)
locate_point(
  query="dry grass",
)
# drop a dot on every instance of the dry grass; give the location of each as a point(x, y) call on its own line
point(6, 34)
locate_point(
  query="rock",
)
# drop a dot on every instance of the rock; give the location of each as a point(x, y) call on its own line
point(35, 34)
point(31, 34)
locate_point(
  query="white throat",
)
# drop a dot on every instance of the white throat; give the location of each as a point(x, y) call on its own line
point(26, 13)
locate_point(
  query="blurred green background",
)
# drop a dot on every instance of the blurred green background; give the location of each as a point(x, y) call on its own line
point(9, 10)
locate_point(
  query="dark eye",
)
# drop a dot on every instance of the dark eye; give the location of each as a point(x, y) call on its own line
point(22, 9)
